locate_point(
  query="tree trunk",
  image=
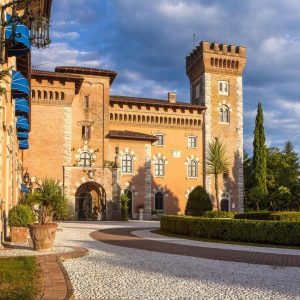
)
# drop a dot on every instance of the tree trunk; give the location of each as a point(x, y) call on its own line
point(217, 192)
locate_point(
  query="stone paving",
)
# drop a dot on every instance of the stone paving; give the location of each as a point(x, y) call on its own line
point(115, 272)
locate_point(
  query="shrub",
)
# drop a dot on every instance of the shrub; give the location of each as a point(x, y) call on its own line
point(198, 202)
point(124, 208)
point(285, 216)
point(254, 231)
point(256, 215)
point(51, 201)
point(20, 216)
point(221, 214)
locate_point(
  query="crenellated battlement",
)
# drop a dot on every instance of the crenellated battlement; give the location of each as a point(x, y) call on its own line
point(217, 57)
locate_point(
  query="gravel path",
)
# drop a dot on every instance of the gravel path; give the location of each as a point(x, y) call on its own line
point(112, 272)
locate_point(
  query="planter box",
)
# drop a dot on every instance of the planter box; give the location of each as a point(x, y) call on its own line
point(18, 234)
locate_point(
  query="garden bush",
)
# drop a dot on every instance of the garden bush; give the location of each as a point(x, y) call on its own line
point(254, 231)
point(124, 207)
point(255, 215)
point(221, 214)
point(287, 216)
point(198, 202)
point(20, 216)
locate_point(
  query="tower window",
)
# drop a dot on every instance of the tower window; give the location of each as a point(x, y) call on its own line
point(192, 142)
point(86, 132)
point(86, 102)
point(223, 88)
point(224, 114)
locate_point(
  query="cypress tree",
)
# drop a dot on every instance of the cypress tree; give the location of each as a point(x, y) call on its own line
point(259, 153)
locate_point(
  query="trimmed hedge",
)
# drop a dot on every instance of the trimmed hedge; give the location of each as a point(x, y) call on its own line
point(270, 232)
point(254, 215)
point(288, 216)
point(220, 215)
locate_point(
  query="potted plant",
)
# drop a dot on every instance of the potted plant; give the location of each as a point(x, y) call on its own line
point(18, 219)
point(50, 203)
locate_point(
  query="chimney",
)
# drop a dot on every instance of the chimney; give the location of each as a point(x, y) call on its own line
point(172, 97)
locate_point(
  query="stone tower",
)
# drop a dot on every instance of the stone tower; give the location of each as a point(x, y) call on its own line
point(215, 74)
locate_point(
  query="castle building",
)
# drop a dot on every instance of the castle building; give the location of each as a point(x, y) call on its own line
point(99, 146)
point(15, 59)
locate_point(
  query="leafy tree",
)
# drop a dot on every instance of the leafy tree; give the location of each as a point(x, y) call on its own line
point(290, 169)
point(281, 199)
point(198, 202)
point(217, 164)
point(259, 153)
point(248, 180)
point(256, 196)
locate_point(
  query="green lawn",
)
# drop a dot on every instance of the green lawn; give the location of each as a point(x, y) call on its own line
point(19, 278)
point(169, 234)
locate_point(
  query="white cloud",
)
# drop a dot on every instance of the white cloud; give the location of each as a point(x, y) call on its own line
point(72, 35)
point(63, 54)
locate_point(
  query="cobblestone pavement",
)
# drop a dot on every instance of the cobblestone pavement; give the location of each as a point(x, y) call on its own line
point(114, 272)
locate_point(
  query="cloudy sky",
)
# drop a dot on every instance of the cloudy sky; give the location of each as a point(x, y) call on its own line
point(146, 42)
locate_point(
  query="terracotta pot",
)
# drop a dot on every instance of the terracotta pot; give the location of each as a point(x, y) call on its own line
point(42, 236)
point(18, 234)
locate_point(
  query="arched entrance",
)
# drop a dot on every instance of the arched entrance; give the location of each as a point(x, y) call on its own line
point(90, 202)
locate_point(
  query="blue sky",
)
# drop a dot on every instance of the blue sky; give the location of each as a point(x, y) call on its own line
point(146, 42)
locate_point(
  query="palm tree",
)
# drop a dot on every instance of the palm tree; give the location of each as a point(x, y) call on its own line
point(216, 164)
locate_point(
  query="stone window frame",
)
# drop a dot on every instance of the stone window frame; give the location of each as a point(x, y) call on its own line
point(223, 91)
point(154, 159)
point(132, 154)
point(187, 162)
point(221, 107)
point(85, 148)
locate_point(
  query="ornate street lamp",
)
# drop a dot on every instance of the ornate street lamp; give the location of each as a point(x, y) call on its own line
point(26, 178)
point(39, 34)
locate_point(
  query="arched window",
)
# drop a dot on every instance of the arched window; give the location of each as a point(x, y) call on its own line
point(33, 94)
point(127, 164)
point(39, 94)
point(225, 202)
point(56, 96)
point(45, 95)
point(221, 115)
point(224, 114)
point(159, 167)
point(159, 201)
point(212, 61)
point(51, 95)
point(62, 96)
point(192, 169)
point(85, 159)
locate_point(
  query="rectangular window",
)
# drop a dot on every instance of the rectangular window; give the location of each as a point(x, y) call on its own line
point(86, 132)
point(86, 102)
point(161, 140)
point(223, 88)
point(192, 142)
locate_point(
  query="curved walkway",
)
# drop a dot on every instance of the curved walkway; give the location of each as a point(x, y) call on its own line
point(124, 237)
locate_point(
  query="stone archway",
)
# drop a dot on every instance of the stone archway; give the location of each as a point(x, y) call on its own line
point(90, 203)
